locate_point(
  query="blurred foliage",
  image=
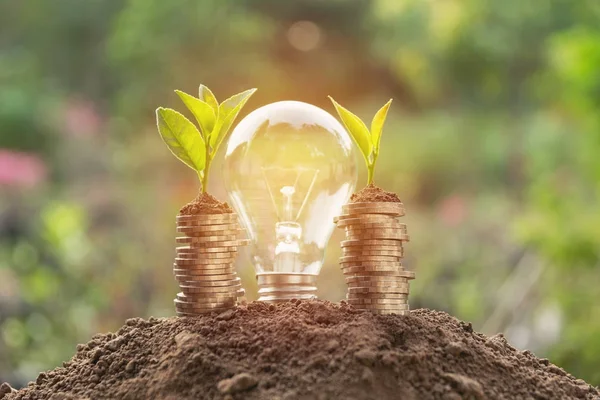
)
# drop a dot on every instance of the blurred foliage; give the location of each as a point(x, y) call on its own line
point(492, 143)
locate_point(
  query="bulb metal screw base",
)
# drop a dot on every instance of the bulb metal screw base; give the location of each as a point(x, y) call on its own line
point(277, 287)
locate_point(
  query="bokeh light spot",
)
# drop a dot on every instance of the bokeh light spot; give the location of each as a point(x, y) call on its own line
point(304, 35)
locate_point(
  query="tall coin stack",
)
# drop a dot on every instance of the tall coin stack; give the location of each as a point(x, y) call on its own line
point(205, 263)
point(371, 256)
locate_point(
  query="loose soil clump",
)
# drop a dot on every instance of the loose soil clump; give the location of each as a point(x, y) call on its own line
point(204, 203)
point(303, 350)
point(372, 193)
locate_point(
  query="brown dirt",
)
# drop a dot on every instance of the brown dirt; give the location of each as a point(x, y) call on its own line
point(303, 350)
point(372, 193)
point(204, 203)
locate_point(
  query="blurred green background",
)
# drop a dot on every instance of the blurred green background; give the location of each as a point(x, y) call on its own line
point(493, 144)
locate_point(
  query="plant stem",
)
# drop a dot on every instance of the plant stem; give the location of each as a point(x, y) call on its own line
point(370, 171)
point(205, 178)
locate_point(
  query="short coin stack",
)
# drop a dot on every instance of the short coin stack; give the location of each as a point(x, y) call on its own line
point(205, 263)
point(371, 256)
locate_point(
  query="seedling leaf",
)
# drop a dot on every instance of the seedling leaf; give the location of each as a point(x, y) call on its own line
point(182, 138)
point(357, 129)
point(377, 126)
point(228, 112)
point(208, 97)
point(203, 112)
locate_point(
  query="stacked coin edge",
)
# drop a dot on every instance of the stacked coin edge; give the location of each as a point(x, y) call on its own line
point(204, 265)
point(372, 254)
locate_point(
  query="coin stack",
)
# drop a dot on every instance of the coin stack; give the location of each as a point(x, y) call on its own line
point(205, 263)
point(371, 256)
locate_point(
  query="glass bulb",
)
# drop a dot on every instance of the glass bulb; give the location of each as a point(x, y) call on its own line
point(289, 168)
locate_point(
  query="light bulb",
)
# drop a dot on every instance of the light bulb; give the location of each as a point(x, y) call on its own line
point(289, 168)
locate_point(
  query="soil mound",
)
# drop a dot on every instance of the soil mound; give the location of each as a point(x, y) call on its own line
point(303, 350)
point(205, 203)
point(372, 193)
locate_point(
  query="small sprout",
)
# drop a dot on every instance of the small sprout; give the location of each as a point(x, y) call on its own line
point(367, 142)
point(197, 148)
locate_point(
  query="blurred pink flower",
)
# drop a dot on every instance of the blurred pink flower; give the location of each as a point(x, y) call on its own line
point(21, 169)
point(453, 210)
point(81, 118)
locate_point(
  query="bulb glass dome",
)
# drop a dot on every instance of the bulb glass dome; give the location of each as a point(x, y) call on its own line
point(289, 168)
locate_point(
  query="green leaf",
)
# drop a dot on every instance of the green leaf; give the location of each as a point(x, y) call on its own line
point(203, 112)
point(357, 129)
point(229, 105)
point(377, 126)
point(228, 112)
point(182, 138)
point(208, 97)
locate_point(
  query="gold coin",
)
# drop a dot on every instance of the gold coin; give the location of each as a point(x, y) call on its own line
point(205, 305)
point(389, 312)
point(195, 290)
point(195, 313)
point(202, 250)
point(394, 299)
point(397, 264)
point(205, 256)
point(381, 230)
point(209, 228)
point(219, 264)
point(364, 258)
point(390, 224)
point(371, 236)
point(358, 253)
point(380, 284)
point(206, 295)
point(351, 271)
point(209, 283)
point(379, 289)
point(373, 203)
point(205, 271)
point(384, 264)
point(222, 243)
point(182, 262)
point(372, 221)
point(389, 212)
point(382, 307)
point(396, 256)
point(366, 292)
point(205, 278)
point(377, 295)
point(371, 242)
point(200, 309)
point(399, 252)
point(398, 302)
point(222, 301)
point(190, 311)
point(212, 299)
point(401, 276)
point(186, 311)
point(205, 239)
point(223, 232)
point(359, 230)
point(208, 218)
point(193, 232)
point(368, 275)
point(353, 245)
point(213, 226)
point(377, 207)
point(365, 219)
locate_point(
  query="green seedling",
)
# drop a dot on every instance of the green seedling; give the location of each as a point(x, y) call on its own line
point(367, 142)
point(197, 148)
